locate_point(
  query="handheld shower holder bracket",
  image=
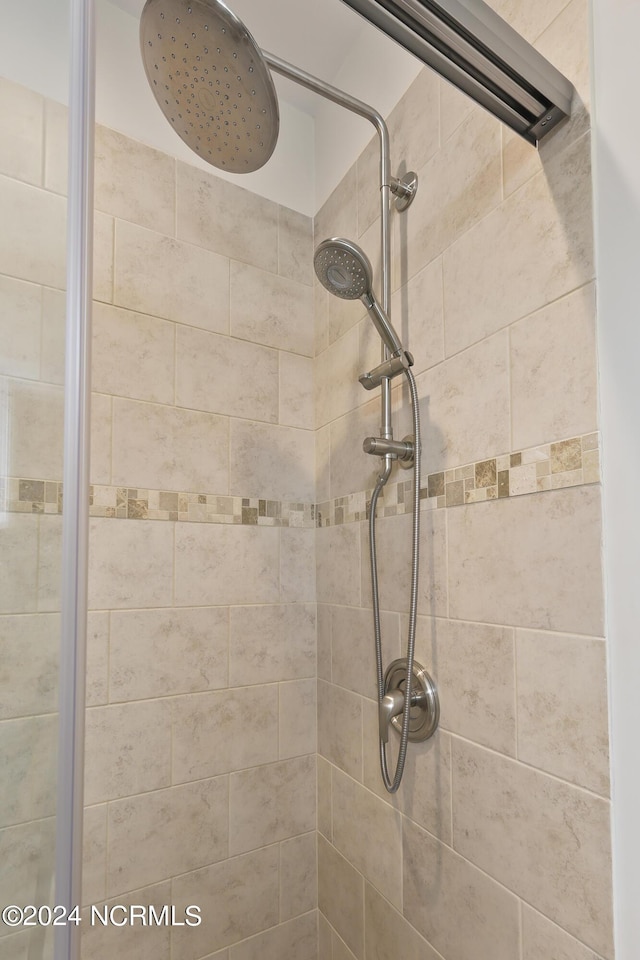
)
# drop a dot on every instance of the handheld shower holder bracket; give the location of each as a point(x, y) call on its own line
point(401, 450)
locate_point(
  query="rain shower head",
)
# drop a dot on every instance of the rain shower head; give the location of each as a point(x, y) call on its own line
point(211, 81)
point(345, 271)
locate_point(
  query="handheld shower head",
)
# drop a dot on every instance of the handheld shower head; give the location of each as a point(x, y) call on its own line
point(345, 271)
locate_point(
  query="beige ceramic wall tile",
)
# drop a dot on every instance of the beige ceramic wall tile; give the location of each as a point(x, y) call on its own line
point(297, 565)
point(535, 247)
point(563, 724)
point(295, 940)
point(368, 175)
point(338, 216)
point(529, 561)
point(271, 802)
point(21, 120)
point(171, 279)
point(553, 371)
point(130, 564)
point(20, 309)
point(29, 212)
point(298, 876)
point(465, 406)
point(30, 650)
point(101, 433)
point(27, 854)
point(455, 107)
point(380, 861)
point(340, 728)
point(272, 310)
point(351, 469)
point(238, 898)
point(94, 854)
point(474, 667)
point(340, 949)
point(338, 564)
point(425, 792)
point(128, 750)
point(226, 218)
point(414, 125)
point(530, 22)
point(558, 838)
point(417, 314)
point(271, 643)
point(97, 658)
point(167, 448)
point(457, 908)
point(158, 653)
point(541, 938)
point(18, 563)
point(324, 773)
point(320, 318)
point(325, 947)
point(56, 160)
point(352, 661)
point(296, 391)
point(35, 422)
point(220, 718)
point(103, 256)
point(270, 461)
point(336, 379)
point(49, 562)
point(52, 359)
point(341, 895)
point(158, 835)
point(459, 186)
point(226, 563)
point(324, 641)
point(393, 537)
point(143, 942)
point(385, 928)
point(133, 355)
point(28, 787)
point(295, 245)
point(323, 463)
point(565, 44)
point(208, 375)
point(134, 182)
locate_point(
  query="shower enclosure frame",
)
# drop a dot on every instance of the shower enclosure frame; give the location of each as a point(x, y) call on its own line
point(75, 517)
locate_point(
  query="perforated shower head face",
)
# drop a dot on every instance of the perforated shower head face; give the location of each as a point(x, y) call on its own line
point(343, 269)
point(211, 81)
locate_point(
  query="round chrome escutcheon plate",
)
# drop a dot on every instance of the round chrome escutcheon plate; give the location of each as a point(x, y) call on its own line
point(425, 709)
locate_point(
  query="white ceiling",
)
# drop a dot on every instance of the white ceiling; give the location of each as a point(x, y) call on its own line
point(316, 35)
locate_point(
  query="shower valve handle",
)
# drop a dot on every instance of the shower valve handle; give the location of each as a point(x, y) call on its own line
point(389, 707)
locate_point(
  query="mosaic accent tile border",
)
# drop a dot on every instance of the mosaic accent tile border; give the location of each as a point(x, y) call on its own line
point(127, 503)
point(550, 466)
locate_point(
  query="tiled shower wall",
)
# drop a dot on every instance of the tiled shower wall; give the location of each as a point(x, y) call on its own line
point(201, 726)
point(497, 843)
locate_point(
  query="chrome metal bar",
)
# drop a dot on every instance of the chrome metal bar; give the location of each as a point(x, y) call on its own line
point(75, 519)
point(305, 79)
point(466, 42)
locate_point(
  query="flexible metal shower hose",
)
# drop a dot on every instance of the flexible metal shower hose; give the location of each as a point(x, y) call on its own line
point(393, 784)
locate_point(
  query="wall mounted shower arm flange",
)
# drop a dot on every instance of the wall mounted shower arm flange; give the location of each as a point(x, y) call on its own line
point(404, 190)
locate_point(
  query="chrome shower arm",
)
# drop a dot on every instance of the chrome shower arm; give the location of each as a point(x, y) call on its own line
point(368, 113)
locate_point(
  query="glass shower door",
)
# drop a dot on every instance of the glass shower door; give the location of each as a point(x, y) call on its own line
point(34, 79)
